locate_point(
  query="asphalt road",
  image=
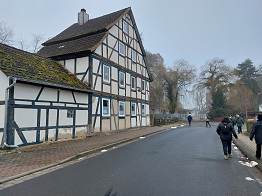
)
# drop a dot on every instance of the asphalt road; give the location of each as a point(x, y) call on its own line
point(182, 162)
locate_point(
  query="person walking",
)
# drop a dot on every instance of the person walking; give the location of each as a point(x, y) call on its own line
point(189, 119)
point(257, 133)
point(225, 131)
point(208, 121)
point(239, 123)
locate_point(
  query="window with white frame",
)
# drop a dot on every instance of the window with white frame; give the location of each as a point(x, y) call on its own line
point(105, 107)
point(143, 85)
point(122, 112)
point(122, 48)
point(133, 109)
point(134, 55)
point(121, 79)
point(133, 82)
point(70, 113)
point(125, 27)
point(106, 73)
point(143, 109)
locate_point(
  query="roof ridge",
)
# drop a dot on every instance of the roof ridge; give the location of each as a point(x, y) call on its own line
point(24, 51)
point(57, 39)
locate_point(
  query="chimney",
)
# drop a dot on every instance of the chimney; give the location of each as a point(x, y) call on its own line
point(83, 17)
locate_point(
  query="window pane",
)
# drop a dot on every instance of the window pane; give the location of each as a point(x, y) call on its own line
point(121, 108)
point(122, 48)
point(121, 78)
point(105, 107)
point(106, 73)
point(143, 109)
point(133, 109)
point(133, 82)
point(126, 27)
point(134, 55)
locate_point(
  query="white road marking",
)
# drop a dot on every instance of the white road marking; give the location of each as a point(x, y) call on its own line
point(104, 150)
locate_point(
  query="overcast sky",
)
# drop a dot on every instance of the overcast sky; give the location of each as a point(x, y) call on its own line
point(195, 30)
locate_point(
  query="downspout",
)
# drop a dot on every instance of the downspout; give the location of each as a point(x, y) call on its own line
point(4, 144)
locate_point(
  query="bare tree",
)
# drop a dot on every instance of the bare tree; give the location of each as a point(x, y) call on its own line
point(178, 78)
point(241, 98)
point(6, 34)
point(36, 42)
point(21, 44)
point(200, 98)
point(158, 101)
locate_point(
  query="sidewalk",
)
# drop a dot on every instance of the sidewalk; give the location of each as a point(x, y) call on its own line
point(27, 159)
point(248, 148)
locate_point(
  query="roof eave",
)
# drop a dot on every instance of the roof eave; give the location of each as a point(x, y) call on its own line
point(51, 84)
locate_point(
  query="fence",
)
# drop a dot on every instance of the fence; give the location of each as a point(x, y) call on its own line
point(165, 119)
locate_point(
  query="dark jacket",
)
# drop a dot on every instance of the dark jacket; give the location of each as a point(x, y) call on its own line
point(239, 121)
point(225, 131)
point(189, 118)
point(257, 132)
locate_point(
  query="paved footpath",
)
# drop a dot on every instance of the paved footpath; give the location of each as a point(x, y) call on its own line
point(32, 158)
point(248, 148)
point(185, 161)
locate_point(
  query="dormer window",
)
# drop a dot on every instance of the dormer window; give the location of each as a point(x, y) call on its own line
point(125, 27)
point(122, 48)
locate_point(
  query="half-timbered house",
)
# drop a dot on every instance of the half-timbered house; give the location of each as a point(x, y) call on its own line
point(39, 99)
point(91, 77)
point(107, 52)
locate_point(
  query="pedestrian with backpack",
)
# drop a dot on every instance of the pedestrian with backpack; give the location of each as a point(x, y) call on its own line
point(257, 133)
point(239, 123)
point(225, 130)
point(189, 119)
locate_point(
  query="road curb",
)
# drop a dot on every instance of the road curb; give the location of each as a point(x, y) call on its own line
point(245, 149)
point(83, 154)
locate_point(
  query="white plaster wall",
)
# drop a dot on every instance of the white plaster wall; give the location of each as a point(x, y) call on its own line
point(96, 66)
point(25, 91)
point(143, 121)
point(82, 64)
point(70, 65)
point(114, 31)
point(122, 92)
point(114, 73)
point(81, 117)
point(81, 97)
point(3, 85)
point(99, 50)
point(114, 87)
point(98, 83)
point(66, 96)
point(106, 88)
point(48, 94)
point(111, 41)
point(2, 116)
point(133, 122)
point(25, 117)
point(114, 57)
